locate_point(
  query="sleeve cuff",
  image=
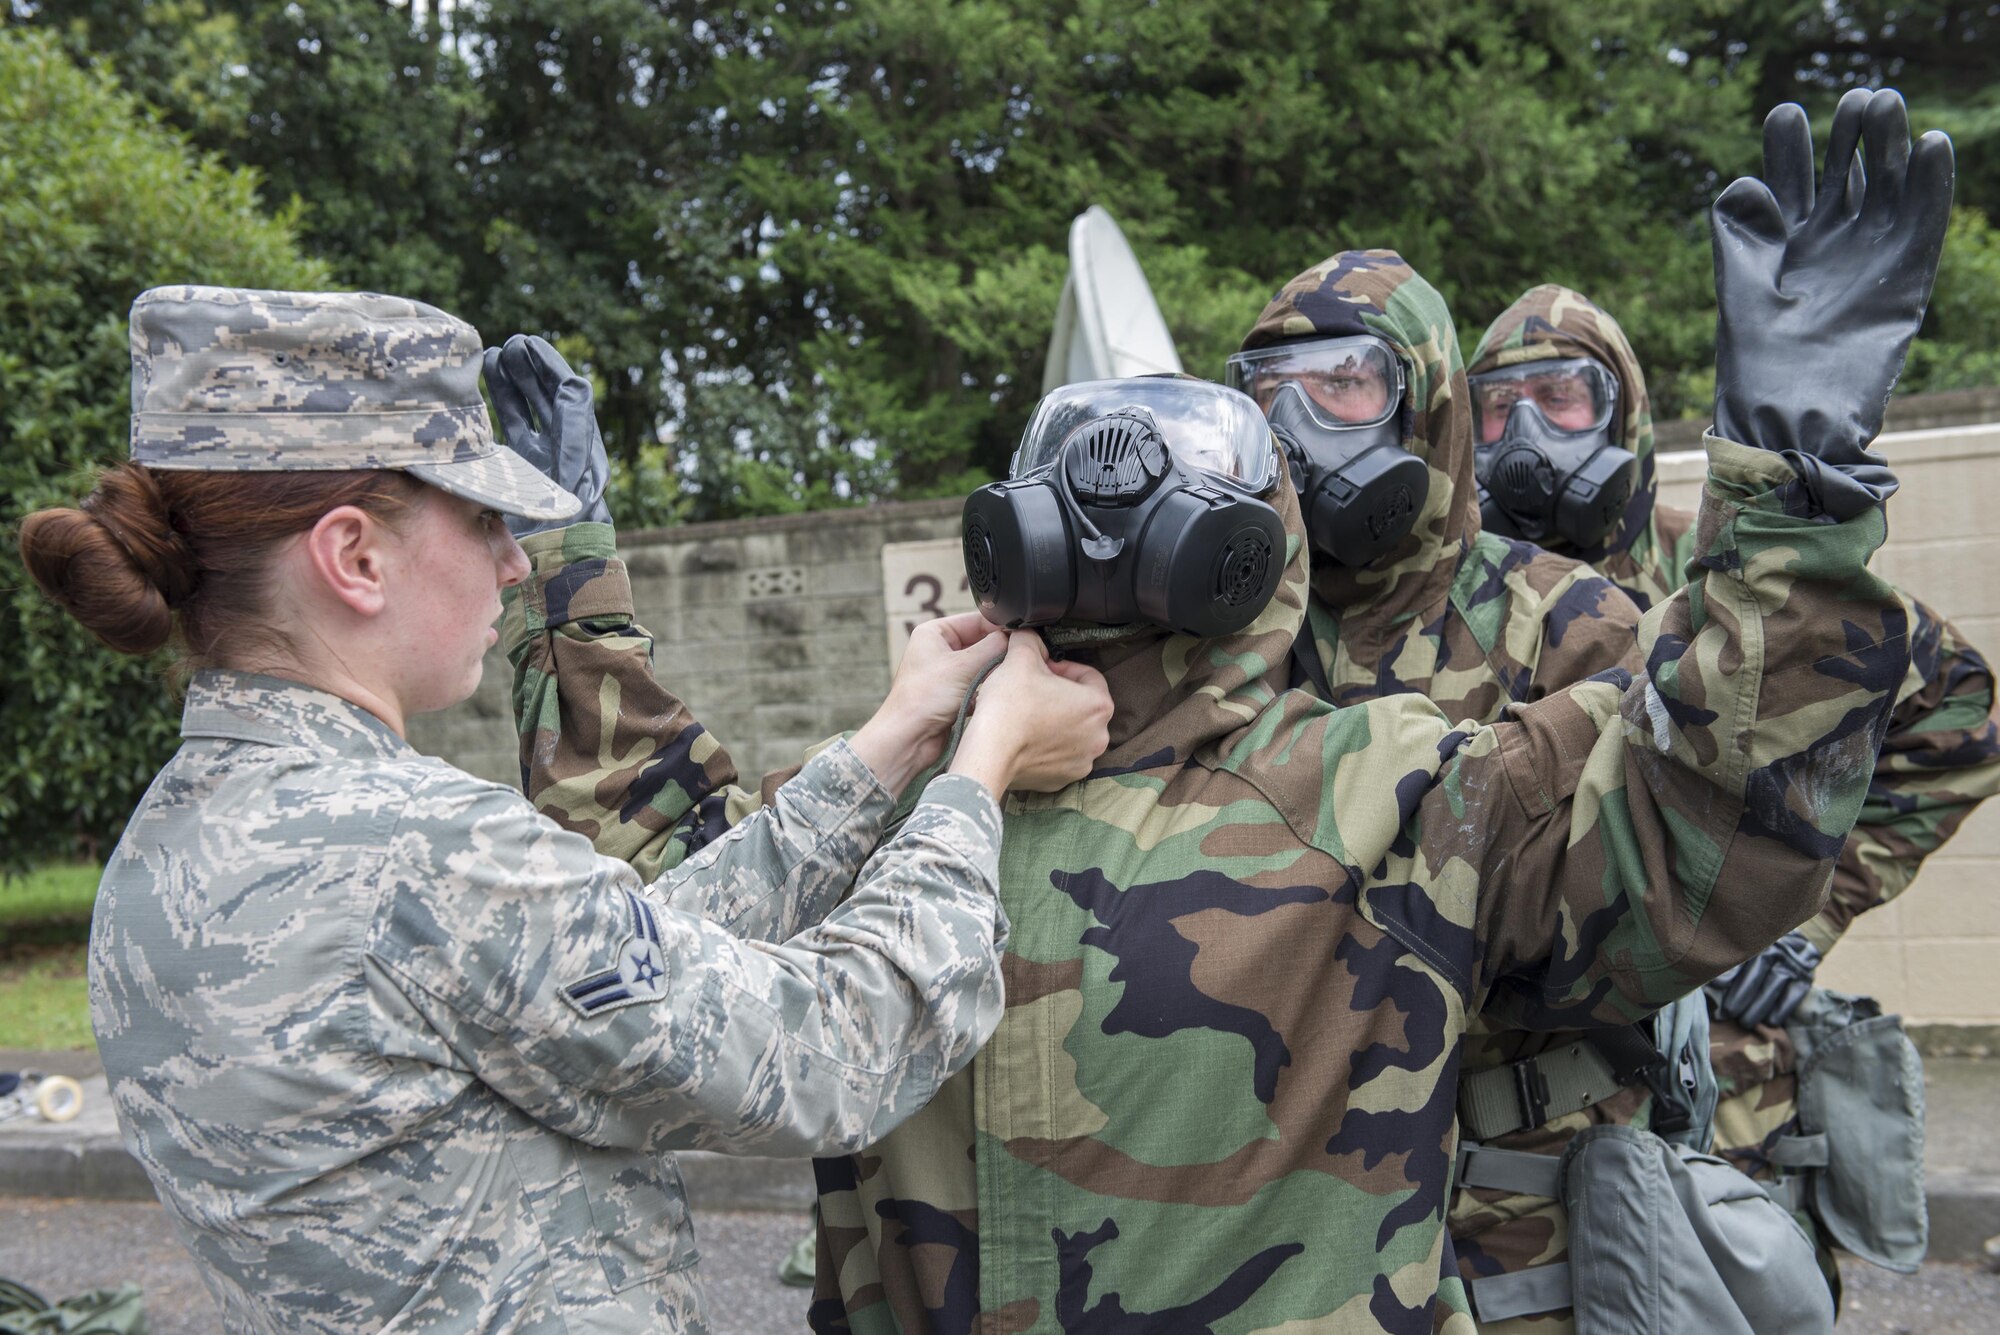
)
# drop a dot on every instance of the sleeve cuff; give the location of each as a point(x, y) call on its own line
point(574, 575)
point(553, 548)
point(1801, 485)
point(841, 776)
point(1744, 469)
point(965, 793)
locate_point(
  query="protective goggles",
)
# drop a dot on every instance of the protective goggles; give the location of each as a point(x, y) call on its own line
point(1573, 395)
point(1204, 425)
point(1355, 380)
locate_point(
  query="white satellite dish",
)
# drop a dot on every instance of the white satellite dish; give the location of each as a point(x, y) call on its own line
point(1107, 324)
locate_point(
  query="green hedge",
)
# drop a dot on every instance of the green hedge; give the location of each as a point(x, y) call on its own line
point(97, 203)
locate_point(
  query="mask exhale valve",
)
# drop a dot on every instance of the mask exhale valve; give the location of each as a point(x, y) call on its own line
point(1541, 484)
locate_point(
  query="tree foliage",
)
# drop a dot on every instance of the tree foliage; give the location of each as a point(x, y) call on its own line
point(811, 249)
point(97, 203)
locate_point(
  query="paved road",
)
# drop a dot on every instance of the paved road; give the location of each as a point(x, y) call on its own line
point(64, 1246)
point(59, 1247)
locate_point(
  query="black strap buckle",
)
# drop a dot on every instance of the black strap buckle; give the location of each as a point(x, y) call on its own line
point(1630, 1051)
point(1673, 1096)
point(1531, 1087)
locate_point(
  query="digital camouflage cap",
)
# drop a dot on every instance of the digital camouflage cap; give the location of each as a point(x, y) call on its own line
point(238, 380)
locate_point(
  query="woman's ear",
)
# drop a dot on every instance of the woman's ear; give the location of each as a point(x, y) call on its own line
point(345, 553)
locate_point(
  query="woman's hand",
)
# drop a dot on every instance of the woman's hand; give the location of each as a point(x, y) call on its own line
point(1039, 724)
point(908, 731)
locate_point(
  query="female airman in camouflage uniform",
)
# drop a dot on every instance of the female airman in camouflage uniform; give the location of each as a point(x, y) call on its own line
point(392, 1048)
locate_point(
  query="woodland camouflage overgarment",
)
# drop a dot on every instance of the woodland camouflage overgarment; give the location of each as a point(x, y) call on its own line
point(1941, 757)
point(1470, 619)
point(1245, 947)
point(394, 1050)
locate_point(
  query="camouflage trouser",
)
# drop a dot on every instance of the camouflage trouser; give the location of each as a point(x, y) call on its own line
point(1757, 1070)
point(1505, 1233)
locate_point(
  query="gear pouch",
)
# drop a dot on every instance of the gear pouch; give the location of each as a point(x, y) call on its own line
point(1663, 1238)
point(1861, 1123)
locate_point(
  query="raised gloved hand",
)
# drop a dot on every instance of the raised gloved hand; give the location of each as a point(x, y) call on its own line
point(1767, 988)
point(1820, 294)
point(546, 417)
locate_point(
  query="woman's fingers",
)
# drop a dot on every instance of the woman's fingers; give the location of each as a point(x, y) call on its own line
point(1027, 644)
point(962, 630)
point(983, 651)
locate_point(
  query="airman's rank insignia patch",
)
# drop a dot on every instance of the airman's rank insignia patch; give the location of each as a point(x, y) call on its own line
point(640, 973)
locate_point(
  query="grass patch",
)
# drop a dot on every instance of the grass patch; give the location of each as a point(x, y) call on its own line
point(44, 1001)
point(48, 906)
point(44, 924)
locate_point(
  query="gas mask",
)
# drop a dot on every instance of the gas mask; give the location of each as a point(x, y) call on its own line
point(1545, 462)
point(1132, 501)
point(1335, 405)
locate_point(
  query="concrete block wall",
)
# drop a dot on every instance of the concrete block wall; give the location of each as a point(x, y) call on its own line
point(1933, 954)
point(772, 630)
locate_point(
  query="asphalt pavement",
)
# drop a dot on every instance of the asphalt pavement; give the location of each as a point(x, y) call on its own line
point(62, 1246)
point(75, 1214)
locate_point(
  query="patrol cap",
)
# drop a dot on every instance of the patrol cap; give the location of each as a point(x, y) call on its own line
point(239, 380)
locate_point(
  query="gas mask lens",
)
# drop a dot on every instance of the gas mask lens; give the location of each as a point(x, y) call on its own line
point(1203, 425)
point(1573, 395)
point(1547, 469)
point(1351, 381)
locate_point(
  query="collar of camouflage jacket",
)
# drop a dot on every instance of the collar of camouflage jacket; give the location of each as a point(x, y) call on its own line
point(247, 707)
point(1554, 321)
point(1171, 694)
point(1376, 292)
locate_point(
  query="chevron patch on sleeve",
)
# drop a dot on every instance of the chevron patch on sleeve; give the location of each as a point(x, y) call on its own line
point(640, 973)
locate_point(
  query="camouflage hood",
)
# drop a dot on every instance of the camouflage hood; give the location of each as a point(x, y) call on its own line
point(1553, 321)
point(1376, 292)
point(1176, 693)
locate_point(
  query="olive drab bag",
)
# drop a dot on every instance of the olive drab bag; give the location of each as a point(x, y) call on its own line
point(1665, 1238)
point(1857, 1159)
point(99, 1312)
point(1660, 1176)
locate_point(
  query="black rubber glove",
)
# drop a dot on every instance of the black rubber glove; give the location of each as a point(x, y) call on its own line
point(546, 416)
point(1767, 988)
point(1819, 295)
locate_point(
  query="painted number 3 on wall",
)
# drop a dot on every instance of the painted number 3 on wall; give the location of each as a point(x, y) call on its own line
point(920, 582)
